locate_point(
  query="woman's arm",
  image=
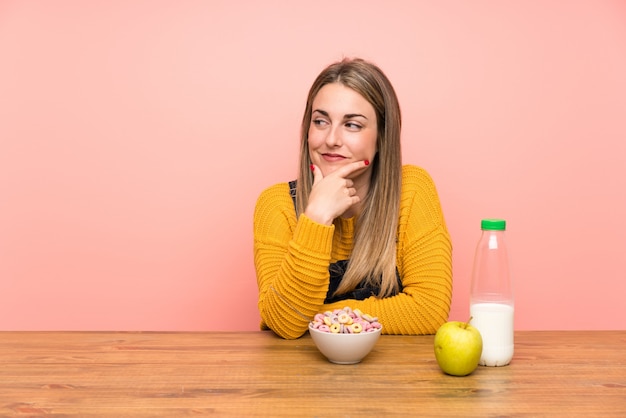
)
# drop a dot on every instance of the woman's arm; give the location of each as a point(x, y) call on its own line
point(424, 303)
point(291, 259)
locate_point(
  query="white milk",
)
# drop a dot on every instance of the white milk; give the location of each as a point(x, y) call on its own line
point(495, 324)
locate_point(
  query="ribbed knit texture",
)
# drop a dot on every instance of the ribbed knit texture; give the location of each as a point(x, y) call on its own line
point(292, 257)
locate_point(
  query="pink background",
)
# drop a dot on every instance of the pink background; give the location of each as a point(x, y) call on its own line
point(136, 136)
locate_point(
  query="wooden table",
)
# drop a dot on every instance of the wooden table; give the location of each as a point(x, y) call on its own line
point(241, 374)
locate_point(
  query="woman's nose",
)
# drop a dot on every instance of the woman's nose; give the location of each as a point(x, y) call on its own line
point(333, 139)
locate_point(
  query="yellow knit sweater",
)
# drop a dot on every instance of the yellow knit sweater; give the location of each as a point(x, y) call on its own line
point(292, 257)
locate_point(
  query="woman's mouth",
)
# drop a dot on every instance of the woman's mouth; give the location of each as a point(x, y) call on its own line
point(333, 157)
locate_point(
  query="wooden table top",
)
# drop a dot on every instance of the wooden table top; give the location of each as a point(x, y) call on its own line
point(239, 374)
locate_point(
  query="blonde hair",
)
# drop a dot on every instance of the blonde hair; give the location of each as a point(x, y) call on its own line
point(374, 252)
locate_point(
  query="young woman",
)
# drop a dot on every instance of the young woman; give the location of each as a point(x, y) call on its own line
point(356, 228)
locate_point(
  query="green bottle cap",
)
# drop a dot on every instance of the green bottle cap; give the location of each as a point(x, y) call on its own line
point(493, 225)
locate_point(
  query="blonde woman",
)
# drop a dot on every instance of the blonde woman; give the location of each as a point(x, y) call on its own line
point(356, 228)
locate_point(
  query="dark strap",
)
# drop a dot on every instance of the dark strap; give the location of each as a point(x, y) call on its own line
point(292, 192)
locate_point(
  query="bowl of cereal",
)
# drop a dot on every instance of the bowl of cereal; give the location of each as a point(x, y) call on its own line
point(345, 336)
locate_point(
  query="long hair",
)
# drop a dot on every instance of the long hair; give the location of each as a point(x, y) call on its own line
point(373, 255)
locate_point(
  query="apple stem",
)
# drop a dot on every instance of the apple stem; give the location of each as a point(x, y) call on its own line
point(468, 321)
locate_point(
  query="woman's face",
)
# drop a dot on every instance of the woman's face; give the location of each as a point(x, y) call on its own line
point(343, 129)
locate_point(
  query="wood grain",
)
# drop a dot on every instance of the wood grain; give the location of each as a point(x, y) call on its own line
point(239, 374)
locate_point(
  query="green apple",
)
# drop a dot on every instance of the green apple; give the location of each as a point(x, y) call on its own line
point(458, 347)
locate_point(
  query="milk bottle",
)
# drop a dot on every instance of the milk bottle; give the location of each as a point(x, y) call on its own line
point(491, 295)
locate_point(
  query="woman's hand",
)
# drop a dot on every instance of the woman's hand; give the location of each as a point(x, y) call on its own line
point(331, 196)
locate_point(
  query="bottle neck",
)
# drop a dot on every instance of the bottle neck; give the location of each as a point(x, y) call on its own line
point(494, 238)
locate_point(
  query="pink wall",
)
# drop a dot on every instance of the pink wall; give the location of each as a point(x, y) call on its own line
point(136, 136)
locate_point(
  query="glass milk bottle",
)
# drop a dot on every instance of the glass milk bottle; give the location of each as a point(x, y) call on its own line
point(491, 295)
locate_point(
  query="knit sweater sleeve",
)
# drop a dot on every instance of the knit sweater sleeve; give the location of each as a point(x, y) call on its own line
point(424, 260)
point(291, 258)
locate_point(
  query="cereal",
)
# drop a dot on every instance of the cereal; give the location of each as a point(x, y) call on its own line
point(345, 321)
point(344, 318)
point(356, 328)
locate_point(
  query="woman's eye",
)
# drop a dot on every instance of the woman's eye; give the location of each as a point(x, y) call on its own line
point(319, 122)
point(352, 125)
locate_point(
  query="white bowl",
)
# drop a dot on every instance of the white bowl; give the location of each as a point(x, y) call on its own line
point(344, 348)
